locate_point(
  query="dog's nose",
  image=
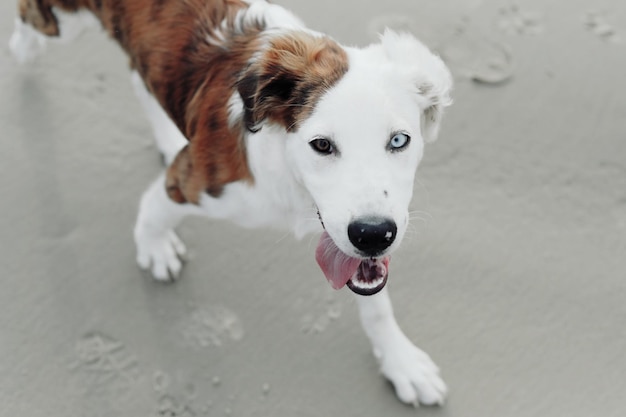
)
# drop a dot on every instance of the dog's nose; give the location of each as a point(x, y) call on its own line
point(372, 235)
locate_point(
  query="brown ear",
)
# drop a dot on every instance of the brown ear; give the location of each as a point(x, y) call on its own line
point(39, 15)
point(284, 83)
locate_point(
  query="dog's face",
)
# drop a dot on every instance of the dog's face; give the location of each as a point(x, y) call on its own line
point(357, 155)
point(356, 122)
point(358, 151)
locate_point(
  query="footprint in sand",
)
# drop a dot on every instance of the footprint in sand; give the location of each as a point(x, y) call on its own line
point(318, 322)
point(482, 59)
point(169, 406)
point(175, 399)
point(105, 359)
point(211, 327)
point(597, 23)
point(513, 21)
point(105, 374)
point(479, 58)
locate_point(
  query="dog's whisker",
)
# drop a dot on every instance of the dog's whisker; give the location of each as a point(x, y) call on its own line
point(411, 227)
point(425, 217)
point(283, 237)
point(421, 184)
point(311, 241)
point(419, 213)
point(419, 220)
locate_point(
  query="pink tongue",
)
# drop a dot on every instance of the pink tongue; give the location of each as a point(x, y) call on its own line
point(337, 266)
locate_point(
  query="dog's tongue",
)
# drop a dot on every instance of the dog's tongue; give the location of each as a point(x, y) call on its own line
point(339, 268)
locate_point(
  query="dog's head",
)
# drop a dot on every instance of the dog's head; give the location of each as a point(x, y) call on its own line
point(357, 121)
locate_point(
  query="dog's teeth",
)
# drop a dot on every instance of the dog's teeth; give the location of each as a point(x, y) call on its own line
point(367, 285)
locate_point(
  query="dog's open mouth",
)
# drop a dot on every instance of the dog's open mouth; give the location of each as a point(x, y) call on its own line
point(362, 276)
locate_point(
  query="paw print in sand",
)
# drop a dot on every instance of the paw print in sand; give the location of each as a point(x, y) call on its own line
point(598, 24)
point(514, 21)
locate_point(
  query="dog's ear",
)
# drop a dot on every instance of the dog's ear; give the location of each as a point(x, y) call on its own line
point(284, 82)
point(429, 77)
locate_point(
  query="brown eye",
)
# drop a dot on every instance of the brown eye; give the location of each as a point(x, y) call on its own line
point(322, 146)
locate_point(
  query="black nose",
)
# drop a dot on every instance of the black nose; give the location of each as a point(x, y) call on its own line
point(372, 235)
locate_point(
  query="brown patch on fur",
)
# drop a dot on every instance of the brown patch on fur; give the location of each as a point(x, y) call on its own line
point(221, 154)
point(177, 175)
point(193, 79)
point(284, 85)
point(39, 15)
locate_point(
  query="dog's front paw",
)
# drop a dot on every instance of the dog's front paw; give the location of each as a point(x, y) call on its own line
point(412, 372)
point(160, 253)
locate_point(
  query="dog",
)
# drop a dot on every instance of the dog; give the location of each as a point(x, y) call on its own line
point(264, 122)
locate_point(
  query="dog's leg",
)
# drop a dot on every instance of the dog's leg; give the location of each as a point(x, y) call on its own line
point(169, 140)
point(413, 374)
point(40, 22)
point(158, 246)
point(26, 43)
point(33, 25)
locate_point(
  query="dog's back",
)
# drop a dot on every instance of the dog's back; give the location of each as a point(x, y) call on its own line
point(166, 41)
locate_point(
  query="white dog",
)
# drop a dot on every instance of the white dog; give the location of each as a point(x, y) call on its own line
point(267, 123)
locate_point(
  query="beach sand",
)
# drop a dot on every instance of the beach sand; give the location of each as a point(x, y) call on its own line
point(512, 277)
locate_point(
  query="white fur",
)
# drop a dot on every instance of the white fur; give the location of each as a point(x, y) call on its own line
point(429, 75)
point(158, 246)
point(413, 373)
point(379, 95)
point(168, 137)
point(72, 25)
point(394, 86)
point(27, 44)
point(273, 15)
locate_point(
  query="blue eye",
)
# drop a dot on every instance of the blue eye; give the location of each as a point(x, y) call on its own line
point(398, 141)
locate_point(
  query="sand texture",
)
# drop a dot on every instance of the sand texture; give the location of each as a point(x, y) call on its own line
point(513, 275)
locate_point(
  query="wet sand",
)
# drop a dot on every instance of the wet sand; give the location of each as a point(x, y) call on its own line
point(513, 276)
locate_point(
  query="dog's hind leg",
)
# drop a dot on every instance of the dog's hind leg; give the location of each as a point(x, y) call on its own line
point(413, 374)
point(39, 22)
point(26, 43)
point(169, 140)
point(158, 247)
